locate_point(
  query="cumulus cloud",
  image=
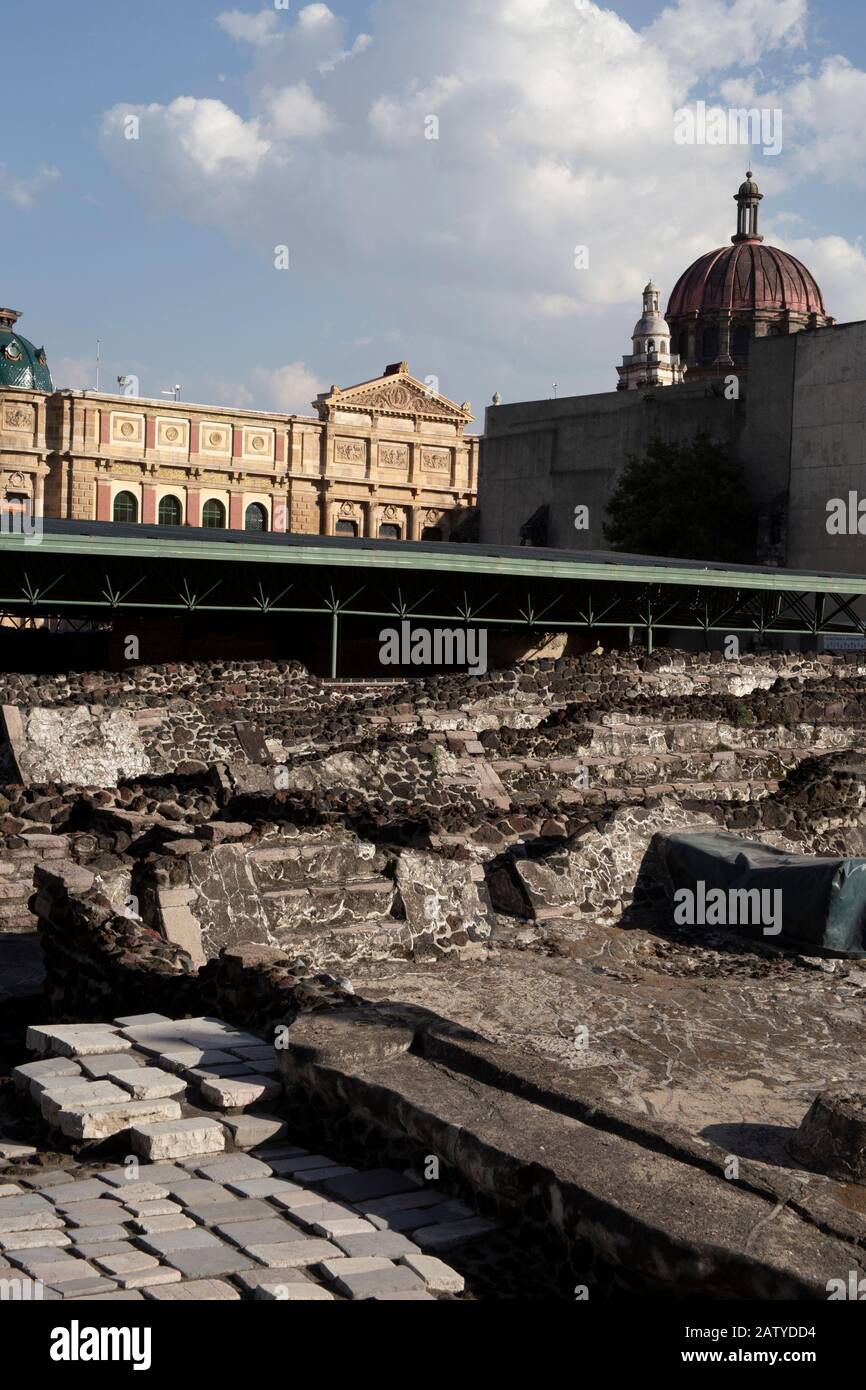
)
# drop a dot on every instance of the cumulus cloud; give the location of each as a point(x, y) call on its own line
point(458, 184)
point(249, 28)
point(27, 192)
point(290, 388)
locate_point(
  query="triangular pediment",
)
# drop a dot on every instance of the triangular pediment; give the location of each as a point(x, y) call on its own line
point(395, 393)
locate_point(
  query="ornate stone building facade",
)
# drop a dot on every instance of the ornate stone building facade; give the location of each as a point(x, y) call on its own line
point(387, 458)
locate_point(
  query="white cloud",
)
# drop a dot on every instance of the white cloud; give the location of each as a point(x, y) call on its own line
point(555, 130)
point(27, 192)
point(294, 113)
point(290, 388)
point(249, 28)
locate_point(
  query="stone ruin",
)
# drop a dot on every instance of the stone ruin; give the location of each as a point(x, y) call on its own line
point(458, 879)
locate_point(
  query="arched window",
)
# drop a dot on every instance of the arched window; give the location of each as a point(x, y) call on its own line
point(213, 513)
point(125, 507)
point(683, 345)
point(169, 513)
point(650, 347)
point(710, 344)
point(431, 533)
point(256, 518)
point(389, 532)
point(742, 341)
point(346, 528)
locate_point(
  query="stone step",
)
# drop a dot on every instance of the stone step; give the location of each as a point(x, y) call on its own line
point(329, 945)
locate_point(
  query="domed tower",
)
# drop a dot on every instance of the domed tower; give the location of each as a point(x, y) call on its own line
point(21, 364)
point(740, 292)
point(650, 362)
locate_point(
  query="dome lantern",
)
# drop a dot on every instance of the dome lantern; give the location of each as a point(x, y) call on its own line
point(747, 198)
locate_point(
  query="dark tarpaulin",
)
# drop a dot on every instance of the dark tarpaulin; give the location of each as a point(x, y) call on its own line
point(823, 900)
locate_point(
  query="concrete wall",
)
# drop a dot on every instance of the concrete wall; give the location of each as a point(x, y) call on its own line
point(799, 430)
point(569, 452)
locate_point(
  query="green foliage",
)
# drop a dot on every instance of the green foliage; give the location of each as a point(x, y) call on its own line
point(683, 501)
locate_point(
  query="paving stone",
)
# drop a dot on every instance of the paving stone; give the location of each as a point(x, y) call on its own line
point(233, 1166)
point(410, 1220)
point(60, 1273)
point(438, 1276)
point(248, 1131)
point(255, 1052)
point(139, 1194)
point(121, 1296)
point(99, 1235)
point(271, 1151)
point(198, 1190)
point(52, 1178)
point(127, 1262)
point(251, 1279)
point(145, 1278)
point(238, 1209)
point(148, 1083)
point(11, 1150)
point(159, 1173)
point(299, 1163)
point(238, 1093)
point(101, 1213)
point(379, 1182)
point(28, 1221)
point(160, 1225)
point(293, 1254)
point(193, 1238)
point(306, 1292)
point(198, 1290)
point(202, 1264)
point(83, 1288)
point(264, 1187)
point(310, 1214)
point(136, 1020)
point(448, 1234)
point(263, 1232)
point(87, 1190)
point(24, 1240)
point(389, 1244)
point(29, 1072)
point(196, 1075)
point(304, 1197)
point(94, 1249)
point(75, 1039)
point(10, 1189)
point(404, 1296)
point(30, 1260)
point(365, 1278)
point(143, 1210)
point(72, 1093)
point(27, 1202)
point(171, 1139)
point(315, 1175)
point(340, 1227)
point(262, 1069)
point(100, 1067)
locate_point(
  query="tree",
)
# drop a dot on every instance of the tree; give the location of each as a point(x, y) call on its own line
point(685, 501)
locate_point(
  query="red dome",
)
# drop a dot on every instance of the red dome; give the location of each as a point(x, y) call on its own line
point(747, 275)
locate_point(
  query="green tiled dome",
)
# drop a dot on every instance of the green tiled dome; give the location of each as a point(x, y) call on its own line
point(21, 364)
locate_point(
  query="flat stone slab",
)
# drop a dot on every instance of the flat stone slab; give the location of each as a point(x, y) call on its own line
point(176, 1138)
point(379, 1182)
point(250, 1130)
point(28, 1072)
point(280, 1291)
point(293, 1254)
point(148, 1083)
point(98, 1067)
point(230, 1166)
point(365, 1278)
point(102, 1121)
point(264, 1187)
point(447, 1235)
point(28, 1221)
point(238, 1209)
point(33, 1239)
point(195, 1290)
point(202, 1264)
point(146, 1278)
point(85, 1190)
point(389, 1244)
point(100, 1235)
point(438, 1276)
point(158, 1225)
point(127, 1262)
point(237, 1093)
point(83, 1288)
point(265, 1232)
point(75, 1040)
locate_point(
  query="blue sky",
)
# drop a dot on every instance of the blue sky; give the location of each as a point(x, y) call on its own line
point(456, 254)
